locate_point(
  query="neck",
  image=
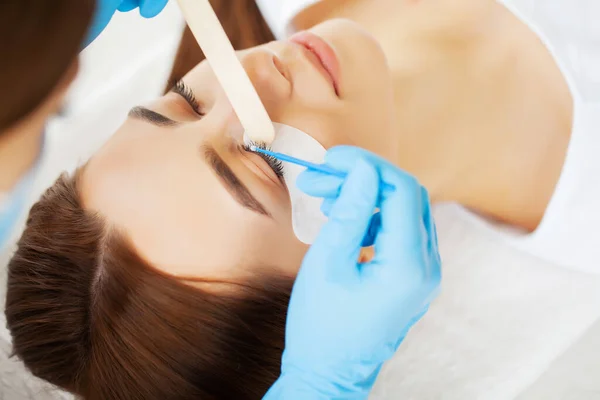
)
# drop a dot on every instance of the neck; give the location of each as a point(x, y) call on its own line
point(483, 113)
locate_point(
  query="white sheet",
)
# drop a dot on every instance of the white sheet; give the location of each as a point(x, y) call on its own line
point(503, 320)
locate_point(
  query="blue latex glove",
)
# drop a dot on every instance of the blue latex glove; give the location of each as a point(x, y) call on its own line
point(105, 9)
point(346, 319)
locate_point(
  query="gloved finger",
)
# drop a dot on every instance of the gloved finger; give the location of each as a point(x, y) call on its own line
point(402, 232)
point(128, 5)
point(344, 158)
point(402, 209)
point(318, 184)
point(410, 324)
point(338, 244)
point(374, 225)
point(433, 268)
point(327, 205)
point(418, 316)
point(372, 231)
point(105, 10)
point(151, 8)
point(432, 231)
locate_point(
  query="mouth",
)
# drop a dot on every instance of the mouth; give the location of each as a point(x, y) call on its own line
point(323, 56)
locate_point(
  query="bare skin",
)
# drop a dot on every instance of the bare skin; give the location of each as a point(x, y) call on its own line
point(483, 113)
point(441, 97)
point(156, 179)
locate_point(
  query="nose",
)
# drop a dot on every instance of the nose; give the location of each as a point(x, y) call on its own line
point(268, 76)
point(270, 80)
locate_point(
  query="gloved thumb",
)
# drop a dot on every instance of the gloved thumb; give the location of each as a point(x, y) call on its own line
point(151, 8)
point(128, 5)
point(148, 8)
point(338, 245)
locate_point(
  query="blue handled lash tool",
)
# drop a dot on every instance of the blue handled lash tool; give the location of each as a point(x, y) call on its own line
point(309, 165)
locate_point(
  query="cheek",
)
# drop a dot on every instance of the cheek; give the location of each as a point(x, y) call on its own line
point(276, 247)
point(287, 256)
point(328, 127)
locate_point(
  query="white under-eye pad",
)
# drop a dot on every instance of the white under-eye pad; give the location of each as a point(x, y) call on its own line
point(307, 218)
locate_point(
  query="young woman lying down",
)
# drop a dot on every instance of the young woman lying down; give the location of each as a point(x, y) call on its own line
point(162, 268)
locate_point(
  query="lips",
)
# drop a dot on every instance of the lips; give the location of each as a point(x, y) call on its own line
point(324, 55)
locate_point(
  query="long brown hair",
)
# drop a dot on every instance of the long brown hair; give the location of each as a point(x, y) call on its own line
point(39, 41)
point(89, 315)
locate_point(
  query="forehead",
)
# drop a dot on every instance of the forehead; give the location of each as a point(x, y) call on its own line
point(156, 187)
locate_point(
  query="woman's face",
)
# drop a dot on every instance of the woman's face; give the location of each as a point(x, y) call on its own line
point(176, 179)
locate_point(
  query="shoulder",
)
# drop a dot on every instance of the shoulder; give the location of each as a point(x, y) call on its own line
point(571, 32)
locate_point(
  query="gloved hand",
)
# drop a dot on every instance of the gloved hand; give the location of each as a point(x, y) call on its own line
point(148, 8)
point(105, 10)
point(346, 319)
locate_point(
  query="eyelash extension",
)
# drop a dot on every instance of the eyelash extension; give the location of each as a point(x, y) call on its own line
point(275, 164)
point(186, 92)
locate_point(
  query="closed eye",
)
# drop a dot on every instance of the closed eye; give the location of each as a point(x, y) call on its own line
point(188, 95)
point(273, 163)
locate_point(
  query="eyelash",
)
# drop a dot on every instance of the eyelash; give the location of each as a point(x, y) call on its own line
point(186, 92)
point(275, 164)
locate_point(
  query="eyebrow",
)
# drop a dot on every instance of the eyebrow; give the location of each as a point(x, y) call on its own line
point(231, 182)
point(151, 117)
point(160, 120)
